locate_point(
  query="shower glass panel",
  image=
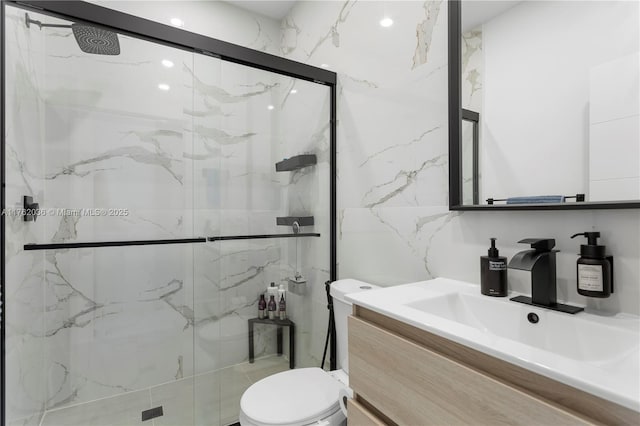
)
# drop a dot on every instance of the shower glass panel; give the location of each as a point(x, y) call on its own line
point(103, 143)
point(260, 119)
point(154, 143)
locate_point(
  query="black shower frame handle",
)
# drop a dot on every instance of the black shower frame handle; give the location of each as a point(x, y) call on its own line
point(125, 243)
point(175, 37)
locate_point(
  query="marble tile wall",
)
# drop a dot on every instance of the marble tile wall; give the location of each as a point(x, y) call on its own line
point(394, 222)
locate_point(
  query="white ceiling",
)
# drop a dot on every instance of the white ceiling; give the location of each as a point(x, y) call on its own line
point(476, 12)
point(272, 9)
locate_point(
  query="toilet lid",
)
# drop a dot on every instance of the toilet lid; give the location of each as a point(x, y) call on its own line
point(291, 397)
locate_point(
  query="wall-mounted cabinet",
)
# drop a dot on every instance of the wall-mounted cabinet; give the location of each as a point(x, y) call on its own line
point(407, 376)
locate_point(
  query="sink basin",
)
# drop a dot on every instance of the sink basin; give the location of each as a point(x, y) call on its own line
point(575, 337)
point(596, 353)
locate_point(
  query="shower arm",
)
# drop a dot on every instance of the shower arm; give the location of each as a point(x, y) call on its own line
point(29, 21)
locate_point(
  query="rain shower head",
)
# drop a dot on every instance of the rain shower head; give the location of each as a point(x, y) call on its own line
point(96, 40)
point(90, 39)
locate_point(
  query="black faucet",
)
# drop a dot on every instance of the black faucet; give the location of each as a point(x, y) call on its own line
point(541, 262)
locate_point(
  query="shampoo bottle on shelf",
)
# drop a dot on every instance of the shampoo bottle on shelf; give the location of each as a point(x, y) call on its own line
point(262, 307)
point(493, 273)
point(594, 269)
point(272, 306)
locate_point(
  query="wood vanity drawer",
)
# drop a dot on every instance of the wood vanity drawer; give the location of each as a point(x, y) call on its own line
point(413, 385)
point(357, 415)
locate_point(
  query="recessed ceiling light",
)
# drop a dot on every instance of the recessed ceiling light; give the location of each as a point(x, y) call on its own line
point(177, 22)
point(386, 22)
point(164, 86)
point(294, 91)
point(270, 107)
point(324, 65)
point(167, 63)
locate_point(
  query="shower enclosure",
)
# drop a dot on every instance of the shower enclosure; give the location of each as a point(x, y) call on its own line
point(156, 217)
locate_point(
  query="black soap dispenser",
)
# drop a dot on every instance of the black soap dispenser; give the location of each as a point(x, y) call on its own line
point(493, 273)
point(594, 269)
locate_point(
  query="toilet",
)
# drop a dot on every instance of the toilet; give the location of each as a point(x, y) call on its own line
point(306, 396)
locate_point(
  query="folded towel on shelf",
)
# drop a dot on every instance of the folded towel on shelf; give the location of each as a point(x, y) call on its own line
point(537, 199)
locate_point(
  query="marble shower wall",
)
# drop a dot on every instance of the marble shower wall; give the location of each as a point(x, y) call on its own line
point(392, 126)
point(195, 160)
point(394, 221)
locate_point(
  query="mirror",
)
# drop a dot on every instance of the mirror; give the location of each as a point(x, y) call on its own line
point(548, 104)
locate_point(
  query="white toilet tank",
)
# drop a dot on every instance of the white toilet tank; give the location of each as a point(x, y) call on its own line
point(341, 310)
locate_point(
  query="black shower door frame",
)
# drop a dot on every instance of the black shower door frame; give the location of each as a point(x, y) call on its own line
point(181, 39)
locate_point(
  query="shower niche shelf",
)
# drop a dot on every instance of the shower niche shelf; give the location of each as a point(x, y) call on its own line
point(297, 162)
point(289, 220)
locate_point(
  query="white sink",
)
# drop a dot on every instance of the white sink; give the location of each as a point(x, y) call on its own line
point(596, 353)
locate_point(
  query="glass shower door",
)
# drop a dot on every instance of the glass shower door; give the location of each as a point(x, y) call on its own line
point(262, 118)
point(121, 139)
point(104, 143)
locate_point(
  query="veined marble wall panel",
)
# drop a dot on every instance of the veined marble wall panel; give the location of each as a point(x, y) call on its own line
point(392, 124)
point(387, 141)
point(392, 112)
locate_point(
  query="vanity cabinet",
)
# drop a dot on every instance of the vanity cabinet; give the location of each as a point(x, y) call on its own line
point(358, 415)
point(404, 375)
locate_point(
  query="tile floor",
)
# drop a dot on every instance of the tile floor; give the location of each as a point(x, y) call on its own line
point(211, 399)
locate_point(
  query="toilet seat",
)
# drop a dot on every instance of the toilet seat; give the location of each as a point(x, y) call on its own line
point(303, 396)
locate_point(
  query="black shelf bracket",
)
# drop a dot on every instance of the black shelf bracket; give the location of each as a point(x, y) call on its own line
point(297, 162)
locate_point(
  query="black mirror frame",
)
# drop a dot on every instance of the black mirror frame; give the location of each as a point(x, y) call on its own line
point(455, 135)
